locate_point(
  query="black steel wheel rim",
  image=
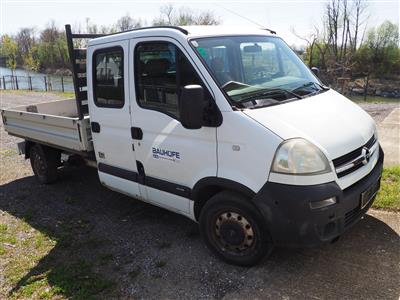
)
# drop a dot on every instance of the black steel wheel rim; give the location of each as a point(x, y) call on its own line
point(233, 233)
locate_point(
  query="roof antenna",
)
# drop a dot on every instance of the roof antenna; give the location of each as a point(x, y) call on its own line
point(247, 19)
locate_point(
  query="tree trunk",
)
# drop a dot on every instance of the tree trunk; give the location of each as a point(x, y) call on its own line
point(366, 87)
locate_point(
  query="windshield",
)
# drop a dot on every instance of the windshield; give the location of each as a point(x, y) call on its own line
point(257, 71)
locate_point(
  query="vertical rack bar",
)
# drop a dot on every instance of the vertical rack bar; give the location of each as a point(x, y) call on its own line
point(72, 59)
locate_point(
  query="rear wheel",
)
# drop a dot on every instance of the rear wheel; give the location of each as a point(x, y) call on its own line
point(234, 229)
point(44, 162)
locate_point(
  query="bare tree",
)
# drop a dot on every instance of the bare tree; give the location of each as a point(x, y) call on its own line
point(167, 11)
point(358, 19)
point(25, 39)
point(50, 34)
point(332, 23)
point(207, 18)
point(310, 40)
point(184, 16)
point(127, 23)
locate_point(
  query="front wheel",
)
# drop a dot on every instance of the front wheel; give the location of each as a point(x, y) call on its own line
point(234, 229)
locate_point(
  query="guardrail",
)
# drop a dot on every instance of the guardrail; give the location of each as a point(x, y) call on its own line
point(37, 82)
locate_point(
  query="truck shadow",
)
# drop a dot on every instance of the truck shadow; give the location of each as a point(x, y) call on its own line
point(109, 244)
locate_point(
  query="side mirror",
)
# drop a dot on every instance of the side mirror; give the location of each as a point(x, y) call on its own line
point(191, 106)
point(315, 70)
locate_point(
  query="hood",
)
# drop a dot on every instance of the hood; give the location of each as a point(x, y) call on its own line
point(329, 120)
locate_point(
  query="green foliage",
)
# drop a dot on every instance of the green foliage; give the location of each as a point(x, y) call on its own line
point(10, 51)
point(318, 59)
point(380, 54)
point(53, 54)
point(50, 51)
point(31, 61)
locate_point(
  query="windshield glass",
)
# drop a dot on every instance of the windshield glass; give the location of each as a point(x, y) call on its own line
point(257, 70)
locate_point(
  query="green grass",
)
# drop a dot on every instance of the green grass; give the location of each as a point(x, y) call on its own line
point(31, 270)
point(75, 280)
point(388, 197)
point(8, 152)
point(6, 235)
point(374, 99)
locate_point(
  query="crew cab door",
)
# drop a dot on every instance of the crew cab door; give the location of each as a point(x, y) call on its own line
point(110, 117)
point(171, 158)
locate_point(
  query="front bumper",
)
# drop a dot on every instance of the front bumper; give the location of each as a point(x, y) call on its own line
point(292, 222)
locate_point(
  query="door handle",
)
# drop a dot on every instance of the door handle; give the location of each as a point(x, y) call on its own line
point(95, 126)
point(136, 133)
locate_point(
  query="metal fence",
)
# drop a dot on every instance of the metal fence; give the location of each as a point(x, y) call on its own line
point(37, 83)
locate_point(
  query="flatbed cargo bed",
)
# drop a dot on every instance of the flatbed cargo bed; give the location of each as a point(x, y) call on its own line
point(55, 123)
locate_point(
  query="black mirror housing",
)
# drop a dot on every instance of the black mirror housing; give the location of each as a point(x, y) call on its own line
point(191, 106)
point(315, 70)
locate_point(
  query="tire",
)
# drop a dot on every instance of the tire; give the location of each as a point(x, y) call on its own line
point(44, 163)
point(234, 229)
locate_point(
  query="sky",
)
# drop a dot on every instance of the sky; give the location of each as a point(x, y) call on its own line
point(282, 16)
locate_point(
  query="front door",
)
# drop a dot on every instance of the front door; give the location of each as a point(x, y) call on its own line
point(170, 157)
point(110, 117)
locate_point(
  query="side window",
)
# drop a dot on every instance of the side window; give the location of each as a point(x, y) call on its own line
point(108, 77)
point(161, 71)
point(217, 58)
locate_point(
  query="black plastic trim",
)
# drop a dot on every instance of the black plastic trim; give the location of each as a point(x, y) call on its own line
point(223, 183)
point(291, 221)
point(136, 133)
point(140, 178)
point(184, 31)
point(119, 172)
point(142, 175)
point(79, 132)
point(105, 50)
point(168, 187)
point(95, 127)
point(341, 160)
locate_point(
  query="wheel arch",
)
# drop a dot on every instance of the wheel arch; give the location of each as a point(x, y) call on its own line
point(207, 187)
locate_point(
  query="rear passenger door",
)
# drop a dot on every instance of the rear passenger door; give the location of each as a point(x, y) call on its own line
point(171, 158)
point(109, 109)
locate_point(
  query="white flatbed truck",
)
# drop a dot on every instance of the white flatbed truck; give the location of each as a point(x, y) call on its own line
point(225, 126)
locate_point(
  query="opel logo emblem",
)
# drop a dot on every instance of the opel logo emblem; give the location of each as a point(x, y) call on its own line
point(366, 155)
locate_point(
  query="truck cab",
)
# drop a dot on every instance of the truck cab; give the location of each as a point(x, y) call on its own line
point(229, 128)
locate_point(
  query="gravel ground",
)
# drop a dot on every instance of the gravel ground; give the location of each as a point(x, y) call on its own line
point(158, 254)
point(379, 111)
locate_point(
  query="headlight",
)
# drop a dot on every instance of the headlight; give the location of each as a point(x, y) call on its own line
point(300, 157)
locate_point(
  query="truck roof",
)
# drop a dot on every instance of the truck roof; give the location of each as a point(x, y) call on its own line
point(186, 31)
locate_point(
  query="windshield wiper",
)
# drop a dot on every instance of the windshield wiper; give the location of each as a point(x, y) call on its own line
point(268, 92)
point(315, 84)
